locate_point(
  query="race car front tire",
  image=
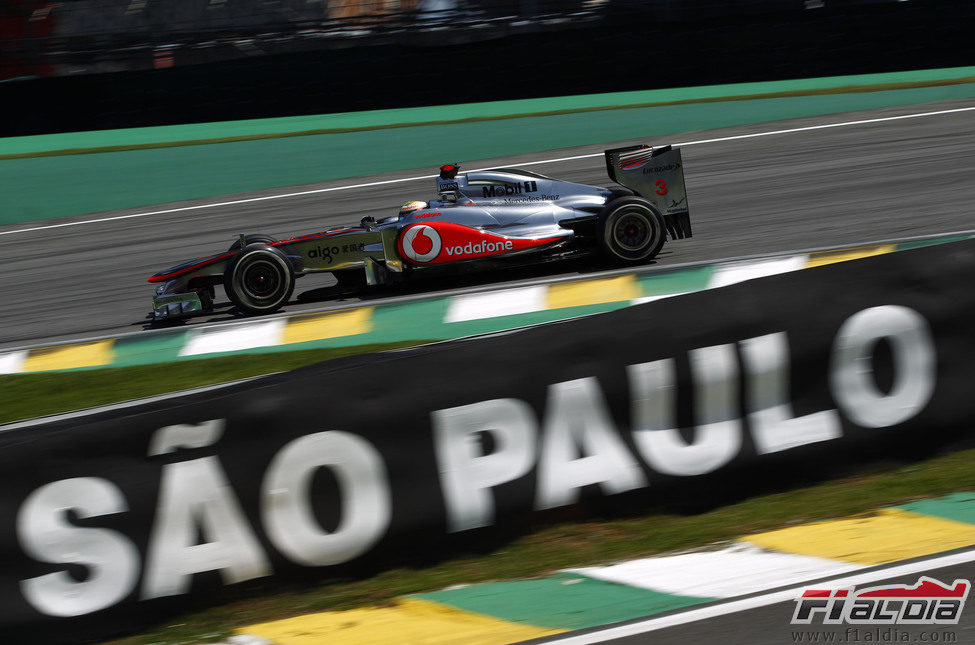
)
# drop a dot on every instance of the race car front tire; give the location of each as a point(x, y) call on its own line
point(259, 280)
point(630, 230)
point(253, 238)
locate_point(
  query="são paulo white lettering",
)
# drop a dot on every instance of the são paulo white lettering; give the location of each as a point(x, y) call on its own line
point(472, 248)
point(576, 443)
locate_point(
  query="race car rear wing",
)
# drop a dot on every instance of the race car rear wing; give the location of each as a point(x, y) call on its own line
point(657, 175)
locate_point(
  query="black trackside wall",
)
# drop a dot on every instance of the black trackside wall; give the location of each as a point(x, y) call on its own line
point(114, 520)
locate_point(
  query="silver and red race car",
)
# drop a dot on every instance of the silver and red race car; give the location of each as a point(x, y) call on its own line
point(482, 218)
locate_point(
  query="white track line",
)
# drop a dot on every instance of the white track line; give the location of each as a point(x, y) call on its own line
point(316, 191)
point(775, 597)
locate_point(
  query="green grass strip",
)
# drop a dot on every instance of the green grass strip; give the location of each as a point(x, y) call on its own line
point(589, 543)
point(35, 395)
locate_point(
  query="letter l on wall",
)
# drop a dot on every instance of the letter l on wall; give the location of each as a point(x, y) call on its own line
point(766, 360)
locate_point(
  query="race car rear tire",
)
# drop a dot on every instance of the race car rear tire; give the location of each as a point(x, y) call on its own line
point(260, 280)
point(253, 238)
point(630, 230)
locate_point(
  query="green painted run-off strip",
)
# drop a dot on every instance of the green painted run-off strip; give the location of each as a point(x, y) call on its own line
point(959, 507)
point(143, 177)
point(561, 601)
point(377, 119)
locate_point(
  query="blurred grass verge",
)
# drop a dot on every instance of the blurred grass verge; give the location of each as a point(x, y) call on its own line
point(35, 395)
point(587, 543)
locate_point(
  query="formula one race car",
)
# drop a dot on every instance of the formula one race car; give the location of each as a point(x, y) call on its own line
point(482, 218)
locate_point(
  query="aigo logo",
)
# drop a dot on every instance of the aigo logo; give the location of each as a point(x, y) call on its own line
point(421, 243)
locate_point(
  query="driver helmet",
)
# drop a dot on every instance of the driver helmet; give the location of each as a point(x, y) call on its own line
point(411, 207)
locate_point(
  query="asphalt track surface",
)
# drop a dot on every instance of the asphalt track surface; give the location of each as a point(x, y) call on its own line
point(75, 278)
point(768, 623)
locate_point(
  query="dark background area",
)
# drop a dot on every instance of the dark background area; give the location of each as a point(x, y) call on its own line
point(228, 72)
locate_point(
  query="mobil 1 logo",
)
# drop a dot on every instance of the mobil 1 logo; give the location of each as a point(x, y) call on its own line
point(507, 190)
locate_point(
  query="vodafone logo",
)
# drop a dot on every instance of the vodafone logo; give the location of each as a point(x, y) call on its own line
point(480, 248)
point(441, 242)
point(421, 243)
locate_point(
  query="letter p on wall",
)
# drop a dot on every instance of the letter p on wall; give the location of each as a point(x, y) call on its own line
point(466, 473)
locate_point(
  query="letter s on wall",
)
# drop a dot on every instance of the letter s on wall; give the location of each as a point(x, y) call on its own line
point(46, 535)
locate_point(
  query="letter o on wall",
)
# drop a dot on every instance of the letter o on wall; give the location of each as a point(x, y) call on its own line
point(365, 498)
point(851, 370)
